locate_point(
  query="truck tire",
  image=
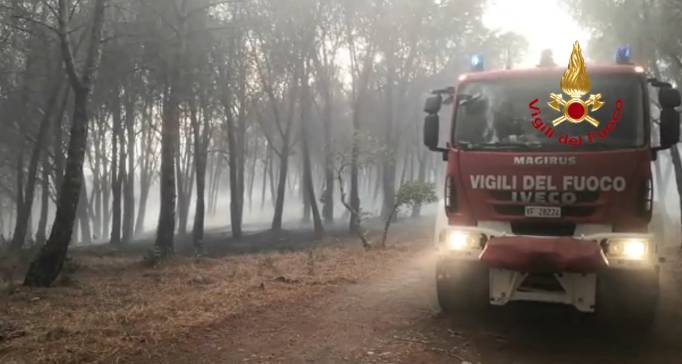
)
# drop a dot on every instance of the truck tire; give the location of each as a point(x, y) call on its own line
point(461, 286)
point(628, 298)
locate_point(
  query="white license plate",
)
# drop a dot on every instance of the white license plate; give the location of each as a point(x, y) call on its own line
point(543, 211)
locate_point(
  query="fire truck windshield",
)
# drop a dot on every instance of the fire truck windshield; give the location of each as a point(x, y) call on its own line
point(495, 114)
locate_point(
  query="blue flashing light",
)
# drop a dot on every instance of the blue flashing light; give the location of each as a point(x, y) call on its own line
point(624, 55)
point(477, 62)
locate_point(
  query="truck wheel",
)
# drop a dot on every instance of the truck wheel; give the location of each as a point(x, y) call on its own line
point(628, 298)
point(461, 286)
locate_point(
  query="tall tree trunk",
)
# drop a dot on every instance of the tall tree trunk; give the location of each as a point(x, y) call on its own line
point(106, 198)
point(21, 123)
point(24, 214)
point(354, 224)
point(129, 186)
point(235, 144)
point(266, 168)
point(44, 201)
point(215, 185)
point(83, 216)
point(45, 268)
point(97, 196)
point(303, 192)
point(283, 157)
point(236, 191)
point(116, 176)
point(305, 152)
point(170, 140)
point(388, 160)
point(200, 160)
point(57, 145)
point(271, 178)
point(328, 194)
point(281, 186)
point(184, 171)
point(252, 178)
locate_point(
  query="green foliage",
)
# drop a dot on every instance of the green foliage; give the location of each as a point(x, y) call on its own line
point(415, 193)
point(410, 194)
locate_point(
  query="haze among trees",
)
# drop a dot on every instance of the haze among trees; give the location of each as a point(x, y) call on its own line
point(120, 115)
point(126, 117)
point(650, 27)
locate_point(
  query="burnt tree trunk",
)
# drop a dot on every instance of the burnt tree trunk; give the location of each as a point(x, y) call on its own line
point(200, 159)
point(170, 140)
point(264, 185)
point(309, 187)
point(271, 178)
point(24, 214)
point(283, 162)
point(116, 177)
point(281, 185)
point(252, 177)
point(44, 200)
point(45, 268)
point(127, 230)
point(22, 210)
point(237, 199)
point(235, 145)
point(354, 203)
point(328, 195)
point(57, 144)
point(388, 166)
point(83, 216)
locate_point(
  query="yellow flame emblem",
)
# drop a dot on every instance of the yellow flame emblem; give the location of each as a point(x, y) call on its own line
point(576, 83)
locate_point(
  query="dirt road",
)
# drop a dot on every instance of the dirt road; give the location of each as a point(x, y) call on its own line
point(393, 318)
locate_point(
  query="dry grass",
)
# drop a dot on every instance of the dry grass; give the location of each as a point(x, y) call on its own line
point(112, 307)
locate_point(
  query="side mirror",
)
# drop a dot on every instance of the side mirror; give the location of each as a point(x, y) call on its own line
point(433, 104)
point(669, 98)
point(431, 131)
point(670, 126)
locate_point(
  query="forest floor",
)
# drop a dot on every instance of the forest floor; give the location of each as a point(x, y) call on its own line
point(296, 302)
point(110, 306)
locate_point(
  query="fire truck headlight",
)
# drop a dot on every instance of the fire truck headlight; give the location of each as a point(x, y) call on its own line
point(630, 249)
point(462, 240)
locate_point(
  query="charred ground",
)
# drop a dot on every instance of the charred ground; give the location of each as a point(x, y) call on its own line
point(299, 301)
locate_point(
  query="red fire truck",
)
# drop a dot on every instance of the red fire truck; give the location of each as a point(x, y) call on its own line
point(537, 209)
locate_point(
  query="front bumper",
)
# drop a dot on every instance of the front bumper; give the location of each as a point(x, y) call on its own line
point(562, 270)
point(546, 254)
